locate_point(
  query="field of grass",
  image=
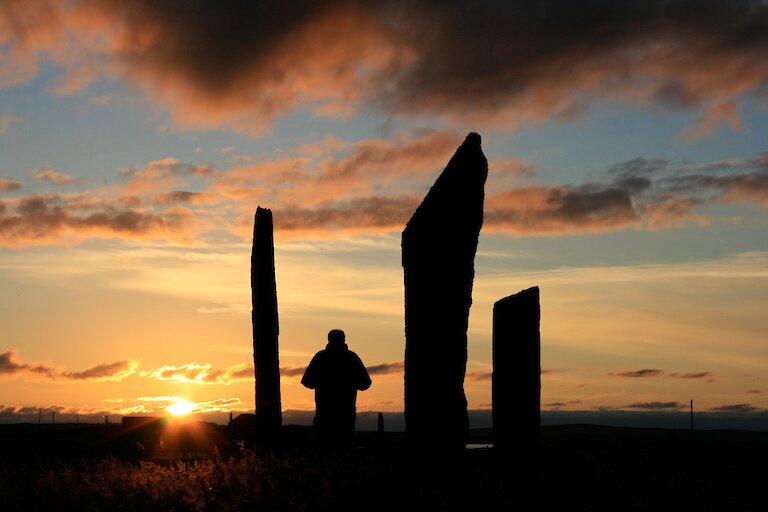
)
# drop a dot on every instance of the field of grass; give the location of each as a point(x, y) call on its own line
point(608, 477)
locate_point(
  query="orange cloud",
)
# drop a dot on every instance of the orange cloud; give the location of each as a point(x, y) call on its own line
point(48, 174)
point(7, 185)
point(645, 372)
point(161, 174)
point(372, 186)
point(195, 373)
point(316, 176)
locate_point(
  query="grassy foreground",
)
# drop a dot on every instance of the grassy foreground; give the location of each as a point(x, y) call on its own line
point(578, 477)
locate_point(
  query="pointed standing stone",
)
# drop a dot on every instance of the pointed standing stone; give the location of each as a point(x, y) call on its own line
point(439, 245)
point(516, 370)
point(265, 322)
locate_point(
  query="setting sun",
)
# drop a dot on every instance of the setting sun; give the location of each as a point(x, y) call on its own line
point(181, 408)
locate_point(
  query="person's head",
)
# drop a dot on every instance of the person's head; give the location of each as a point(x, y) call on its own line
point(336, 338)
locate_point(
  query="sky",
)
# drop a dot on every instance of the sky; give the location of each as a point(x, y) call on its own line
point(628, 179)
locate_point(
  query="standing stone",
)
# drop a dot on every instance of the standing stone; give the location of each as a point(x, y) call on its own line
point(265, 322)
point(439, 245)
point(517, 370)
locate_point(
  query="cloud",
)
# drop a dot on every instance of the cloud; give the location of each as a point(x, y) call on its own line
point(319, 172)
point(194, 373)
point(645, 372)
point(693, 375)
point(478, 375)
point(386, 368)
point(560, 209)
point(10, 367)
point(106, 371)
point(369, 214)
point(160, 174)
point(186, 197)
point(753, 391)
point(116, 371)
point(735, 408)
point(715, 115)
point(7, 185)
point(48, 174)
point(50, 219)
point(741, 188)
point(654, 406)
point(292, 371)
point(244, 64)
point(330, 188)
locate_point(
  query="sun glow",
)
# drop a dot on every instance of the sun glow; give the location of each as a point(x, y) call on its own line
point(181, 408)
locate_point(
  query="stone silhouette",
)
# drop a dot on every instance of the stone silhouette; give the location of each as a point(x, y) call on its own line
point(336, 374)
point(439, 245)
point(265, 322)
point(516, 370)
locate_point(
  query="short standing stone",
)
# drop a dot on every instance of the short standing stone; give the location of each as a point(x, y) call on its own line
point(517, 370)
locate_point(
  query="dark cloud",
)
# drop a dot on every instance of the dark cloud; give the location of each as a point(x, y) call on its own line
point(654, 406)
point(753, 391)
point(693, 375)
point(386, 368)
point(292, 371)
point(745, 187)
point(735, 408)
point(8, 366)
point(105, 371)
point(645, 372)
point(635, 175)
point(547, 52)
point(186, 197)
point(245, 63)
point(560, 209)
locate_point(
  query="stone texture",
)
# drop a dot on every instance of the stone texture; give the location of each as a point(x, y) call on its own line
point(439, 245)
point(517, 370)
point(265, 322)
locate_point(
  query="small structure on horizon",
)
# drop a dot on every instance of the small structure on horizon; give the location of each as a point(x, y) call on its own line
point(516, 381)
point(265, 323)
point(439, 245)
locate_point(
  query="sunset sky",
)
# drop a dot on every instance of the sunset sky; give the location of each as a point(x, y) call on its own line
point(627, 144)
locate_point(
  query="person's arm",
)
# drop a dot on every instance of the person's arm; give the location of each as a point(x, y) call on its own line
point(363, 380)
point(309, 380)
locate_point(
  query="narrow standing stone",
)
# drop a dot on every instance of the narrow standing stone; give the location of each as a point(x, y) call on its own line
point(517, 370)
point(265, 322)
point(439, 245)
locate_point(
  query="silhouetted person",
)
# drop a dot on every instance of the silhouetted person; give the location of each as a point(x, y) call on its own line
point(336, 374)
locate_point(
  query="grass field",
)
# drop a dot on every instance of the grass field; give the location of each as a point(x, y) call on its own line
point(578, 467)
point(613, 476)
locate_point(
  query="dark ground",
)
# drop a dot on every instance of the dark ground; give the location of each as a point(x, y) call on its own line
point(577, 467)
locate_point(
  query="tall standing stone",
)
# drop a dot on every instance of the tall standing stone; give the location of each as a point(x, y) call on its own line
point(265, 322)
point(439, 245)
point(517, 370)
